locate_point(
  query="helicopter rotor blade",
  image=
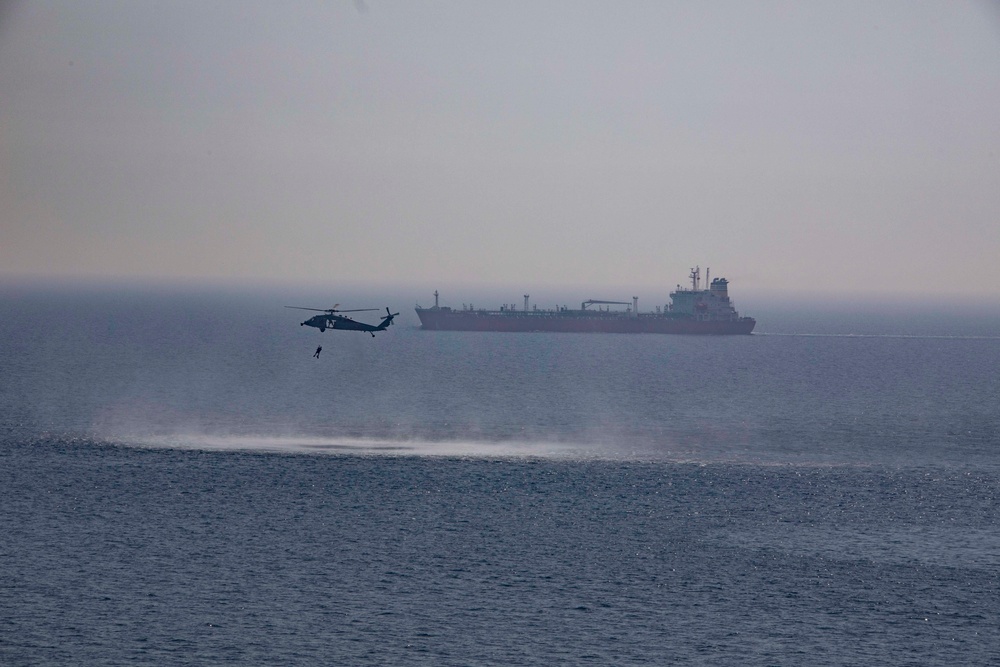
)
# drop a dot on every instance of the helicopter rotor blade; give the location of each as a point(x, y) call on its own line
point(333, 310)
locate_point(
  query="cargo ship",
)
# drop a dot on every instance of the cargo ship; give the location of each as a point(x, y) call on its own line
point(690, 311)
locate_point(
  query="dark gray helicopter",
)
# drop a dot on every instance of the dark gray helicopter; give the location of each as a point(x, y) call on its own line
point(330, 320)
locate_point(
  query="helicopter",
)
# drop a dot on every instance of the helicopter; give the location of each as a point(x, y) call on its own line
point(330, 320)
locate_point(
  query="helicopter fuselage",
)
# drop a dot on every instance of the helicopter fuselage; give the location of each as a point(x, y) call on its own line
point(324, 322)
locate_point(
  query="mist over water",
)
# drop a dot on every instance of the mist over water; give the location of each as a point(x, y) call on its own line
point(232, 370)
point(365, 446)
point(183, 480)
point(190, 367)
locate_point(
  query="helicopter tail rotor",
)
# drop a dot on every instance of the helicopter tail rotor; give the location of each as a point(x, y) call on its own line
point(388, 317)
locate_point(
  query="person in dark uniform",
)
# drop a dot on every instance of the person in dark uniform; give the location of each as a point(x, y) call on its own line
point(318, 350)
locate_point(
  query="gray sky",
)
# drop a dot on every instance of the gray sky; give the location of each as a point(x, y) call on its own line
point(829, 146)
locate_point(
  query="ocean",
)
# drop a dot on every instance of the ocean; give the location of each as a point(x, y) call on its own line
point(182, 482)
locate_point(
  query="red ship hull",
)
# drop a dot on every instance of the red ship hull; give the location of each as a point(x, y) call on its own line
point(445, 319)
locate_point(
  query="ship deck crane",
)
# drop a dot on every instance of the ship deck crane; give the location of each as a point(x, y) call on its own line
point(590, 302)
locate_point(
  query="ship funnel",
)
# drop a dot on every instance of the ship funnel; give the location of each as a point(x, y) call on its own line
point(435, 298)
point(720, 288)
point(525, 303)
point(635, 306)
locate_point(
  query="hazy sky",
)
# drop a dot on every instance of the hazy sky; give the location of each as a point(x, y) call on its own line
point(836, 146)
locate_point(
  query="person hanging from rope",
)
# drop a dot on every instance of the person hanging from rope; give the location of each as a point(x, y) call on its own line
point(318, 350)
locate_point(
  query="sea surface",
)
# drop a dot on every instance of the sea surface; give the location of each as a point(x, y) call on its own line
point(182, 482)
